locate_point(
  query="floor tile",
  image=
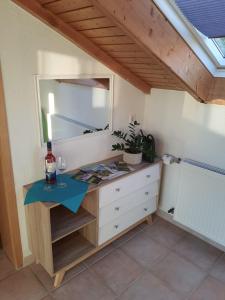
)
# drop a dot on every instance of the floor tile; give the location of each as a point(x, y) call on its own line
point(48, 281)
point(6, 267)
point(117, 270)
point(181, 275)
point(126, 237)
point(210, 289)
point(148, 287)
point(99, 255)
point(145, 250)
point(218, 270)
point(197, 251)
point(165, 233)
point(22, 285)
point(85, 286)
point(178, 271)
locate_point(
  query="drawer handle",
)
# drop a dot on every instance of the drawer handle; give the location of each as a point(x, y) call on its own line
point(146, 193)
point(117, 208)
point(118, 190)
point(145, 209)
point(116, 226)
point(148, 176)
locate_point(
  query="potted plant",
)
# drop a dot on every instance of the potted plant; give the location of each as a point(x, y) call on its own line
point(148, 147)
point(131, 145)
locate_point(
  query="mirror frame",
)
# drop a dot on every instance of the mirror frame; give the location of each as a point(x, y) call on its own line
point(81, 76)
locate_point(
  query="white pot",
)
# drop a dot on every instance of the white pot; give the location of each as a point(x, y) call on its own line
point(132, 159)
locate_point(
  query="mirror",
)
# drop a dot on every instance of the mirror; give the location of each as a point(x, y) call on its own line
point(72, 107)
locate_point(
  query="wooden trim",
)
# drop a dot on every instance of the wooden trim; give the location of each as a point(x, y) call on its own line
point(37, 10)
point(143, 22)
point(149, 220)
point(9, 223)
point(59, 278)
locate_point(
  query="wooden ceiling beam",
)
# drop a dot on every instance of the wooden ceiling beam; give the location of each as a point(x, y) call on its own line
point(143, 22)
point(217, 92)
point(54, 21)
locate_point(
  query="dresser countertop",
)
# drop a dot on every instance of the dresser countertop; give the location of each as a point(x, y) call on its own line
point(93, 187)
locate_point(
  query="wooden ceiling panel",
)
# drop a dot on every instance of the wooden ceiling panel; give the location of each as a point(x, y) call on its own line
point(167, 87)
point(102, 32)
point(78, 38)
point(47, 1)
point(144, 60)
point(80, 14)
point(143, 67)
point(112, 40)
point(158, 77)
point(124, 47)
point(129, 54)
point(95, 23)
point(132, 38)
point(61, 6)
point(149, 28)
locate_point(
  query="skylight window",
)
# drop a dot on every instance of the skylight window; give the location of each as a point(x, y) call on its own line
point(211, 51)
point(220, 44)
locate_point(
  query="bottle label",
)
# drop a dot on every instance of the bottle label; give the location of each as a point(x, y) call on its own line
point(50, 172)
point(50, 167)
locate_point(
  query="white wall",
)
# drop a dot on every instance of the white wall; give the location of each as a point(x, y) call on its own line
point(29, 47)
point(185, 128)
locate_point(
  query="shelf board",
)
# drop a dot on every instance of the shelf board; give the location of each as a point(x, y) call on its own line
point(64, 222)
point(70, 249)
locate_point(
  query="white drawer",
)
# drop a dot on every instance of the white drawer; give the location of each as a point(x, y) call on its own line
point(127, 185)
point(121, 223)
point(121, 206)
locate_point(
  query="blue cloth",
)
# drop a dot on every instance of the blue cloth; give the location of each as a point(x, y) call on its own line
point(70, 196)
point(206, 15)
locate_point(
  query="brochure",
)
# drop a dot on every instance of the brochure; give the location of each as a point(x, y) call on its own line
point(96, 173)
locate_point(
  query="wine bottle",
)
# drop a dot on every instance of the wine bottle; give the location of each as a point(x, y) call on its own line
point(50, 165)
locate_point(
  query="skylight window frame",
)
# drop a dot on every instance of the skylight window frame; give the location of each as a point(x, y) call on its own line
point(217, 45)
point(204, 48)
point(211, 47)
point(208, 44)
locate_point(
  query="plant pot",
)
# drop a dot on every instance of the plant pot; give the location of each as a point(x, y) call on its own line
point(149, 157)
point(131, 158)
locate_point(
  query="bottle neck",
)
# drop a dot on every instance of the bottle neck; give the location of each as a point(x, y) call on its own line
point(49, 151)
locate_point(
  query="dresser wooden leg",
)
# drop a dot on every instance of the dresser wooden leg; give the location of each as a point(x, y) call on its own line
point(59, 278)
point(149, 220)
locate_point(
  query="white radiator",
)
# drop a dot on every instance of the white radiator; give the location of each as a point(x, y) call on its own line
point(201, 201)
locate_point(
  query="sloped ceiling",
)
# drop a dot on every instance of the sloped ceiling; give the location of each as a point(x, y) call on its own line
point(134, 39)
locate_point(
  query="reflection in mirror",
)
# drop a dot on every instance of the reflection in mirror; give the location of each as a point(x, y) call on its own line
point(74, 107)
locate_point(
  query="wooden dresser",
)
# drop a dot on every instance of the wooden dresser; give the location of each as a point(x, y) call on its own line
point(60, 239)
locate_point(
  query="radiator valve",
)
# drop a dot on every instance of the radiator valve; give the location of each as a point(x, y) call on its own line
point(171, 210)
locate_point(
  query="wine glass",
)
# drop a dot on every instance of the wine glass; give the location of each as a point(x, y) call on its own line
point(61, 166)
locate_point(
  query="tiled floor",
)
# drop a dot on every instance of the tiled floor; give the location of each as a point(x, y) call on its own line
point(151, 262)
